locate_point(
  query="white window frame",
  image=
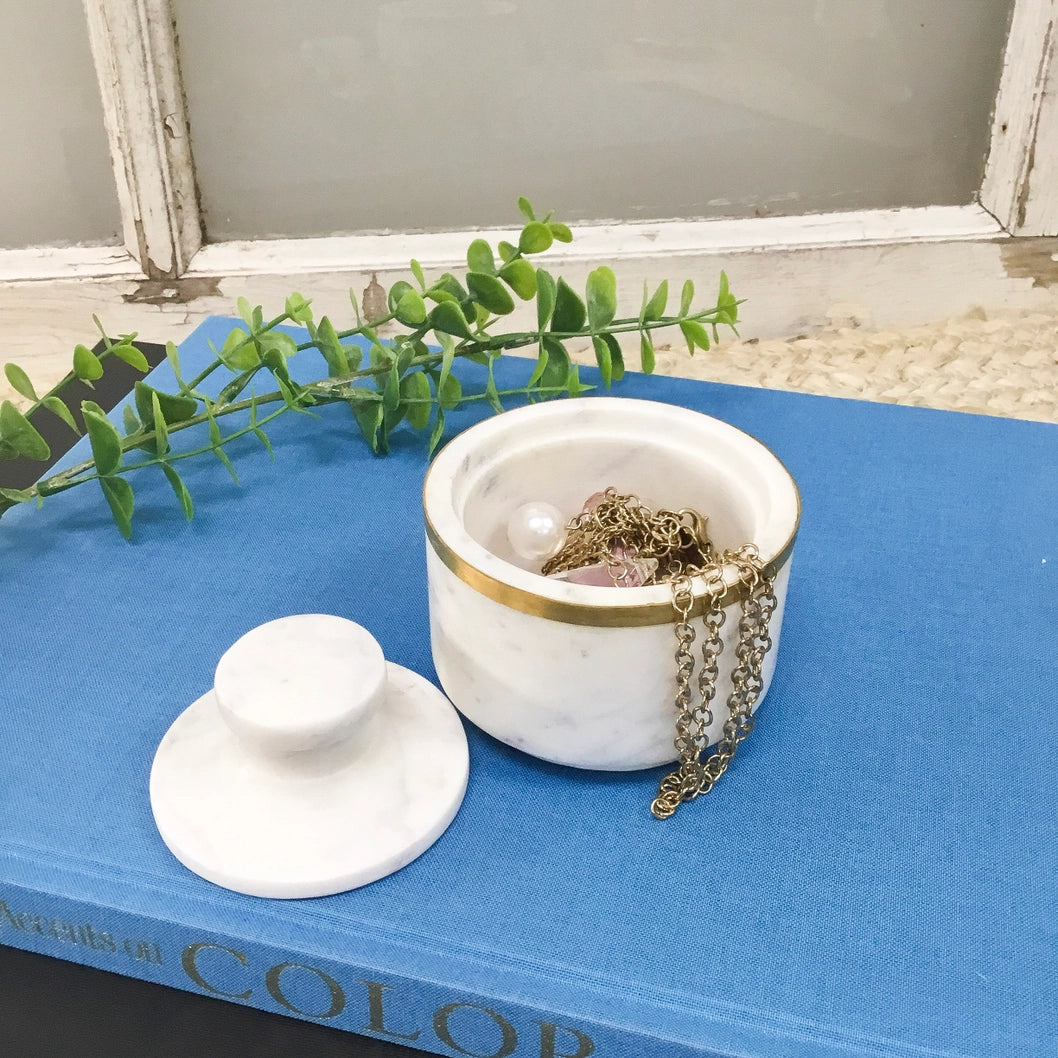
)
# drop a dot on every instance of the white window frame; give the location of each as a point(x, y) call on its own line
point(796, 262)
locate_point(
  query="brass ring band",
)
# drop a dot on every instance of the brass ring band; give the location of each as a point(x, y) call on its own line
point(634, 615)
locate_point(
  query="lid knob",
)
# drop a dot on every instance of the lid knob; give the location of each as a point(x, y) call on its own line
point(300, 683)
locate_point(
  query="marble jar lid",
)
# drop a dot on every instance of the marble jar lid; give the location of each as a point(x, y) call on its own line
point(312, 767)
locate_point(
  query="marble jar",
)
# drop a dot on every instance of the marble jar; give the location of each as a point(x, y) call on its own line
point(579, 674)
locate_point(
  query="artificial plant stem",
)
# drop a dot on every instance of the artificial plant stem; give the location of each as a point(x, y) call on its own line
point(169, 457)
point(326, 391)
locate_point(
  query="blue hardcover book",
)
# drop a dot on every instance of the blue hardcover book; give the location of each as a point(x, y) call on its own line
point(876, 876)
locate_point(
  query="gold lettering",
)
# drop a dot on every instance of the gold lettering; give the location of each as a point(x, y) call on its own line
point(189, 961)
point(144, 951)
point(377, 1023)
point(64, 932)
point(273, 983)
point(9, 915)
point(508, 1042)
point(548, 1041)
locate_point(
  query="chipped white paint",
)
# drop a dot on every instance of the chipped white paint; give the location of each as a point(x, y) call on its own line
point(611, 244)
point(134, 48)
point(66, 262)
point(1020, 186)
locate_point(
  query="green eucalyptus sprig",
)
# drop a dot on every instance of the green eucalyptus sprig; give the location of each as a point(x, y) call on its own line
point(402, 378)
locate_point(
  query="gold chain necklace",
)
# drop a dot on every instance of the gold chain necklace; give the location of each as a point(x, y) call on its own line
point(619, 531)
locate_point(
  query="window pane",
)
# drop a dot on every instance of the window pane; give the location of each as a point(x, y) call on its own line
point(56, 184)
point(320, 117)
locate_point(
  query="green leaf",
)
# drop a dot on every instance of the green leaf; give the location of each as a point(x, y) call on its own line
point(56, 407)
point(556, 373)
point(86, 365)
point(520, 275)
point(437, 432)
point(131, 355)
point(416, 270)
point(405, 353)
point(119, 495)
point(223, 457)
point(573, 385)
point(438, 294)
point(172, 354)
point(239, 353)
point(175, 407)
point(449, 392)
point(535, 238)
point(396, 292)
point(380, 355)
point(276, 342)
point(617, 357)
point(104, 438)
point(131, 420)
point(646, 353)
point(161, 434)
point(539, 369)
point(526, 209)
point(415, 388)
point(336, 354)
point(21, 434)
point(603, 359)
point(450, 285)
point(561, 232)
point(570, 313)
point(390, 420)
point(545, 297)
point(20, 381)
point(686, 297)
point(448, 353)
point(391, 389)
point(263, 438)
point(491, 394)
point(479, 257)
point(727, 304)
point(507, 251)
point(695, 334)
point(103, 334)
point(18, 495)
point(236, 386)
point(410, 309)
point(297, 308)
point(368, 415)
point(181, 490)
point(601, 297)
point(246, 311)
point(489, 291)
point(655, 307)
point(448, 317)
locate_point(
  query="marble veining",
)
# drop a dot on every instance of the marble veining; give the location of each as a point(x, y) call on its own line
point(312, 767)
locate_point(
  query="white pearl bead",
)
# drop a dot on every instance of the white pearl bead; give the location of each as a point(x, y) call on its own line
point(536, 531)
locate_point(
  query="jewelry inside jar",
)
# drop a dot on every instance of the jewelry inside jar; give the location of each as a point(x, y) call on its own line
point(618, 541)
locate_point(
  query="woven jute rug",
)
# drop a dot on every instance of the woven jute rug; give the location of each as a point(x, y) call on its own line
point(1001, 363)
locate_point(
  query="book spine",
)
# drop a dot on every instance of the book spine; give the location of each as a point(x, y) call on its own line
point(412, 1012)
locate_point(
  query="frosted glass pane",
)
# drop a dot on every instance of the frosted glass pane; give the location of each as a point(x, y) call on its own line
point(56, 184)
point(325, 116)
